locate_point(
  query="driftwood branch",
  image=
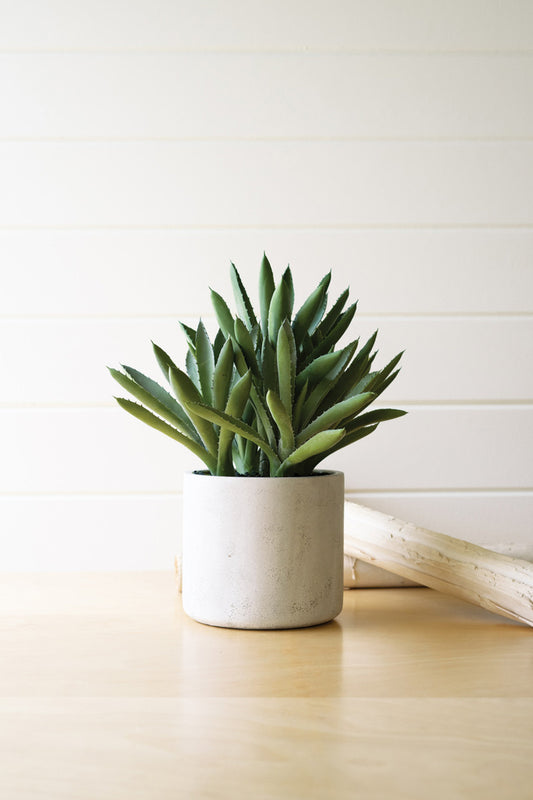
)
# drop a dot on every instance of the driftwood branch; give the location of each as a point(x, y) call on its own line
point(494, 581)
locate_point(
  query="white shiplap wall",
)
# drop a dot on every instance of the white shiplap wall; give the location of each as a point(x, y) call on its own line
point(144, 144)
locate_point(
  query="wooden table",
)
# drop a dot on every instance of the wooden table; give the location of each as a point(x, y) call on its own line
point(111, 693)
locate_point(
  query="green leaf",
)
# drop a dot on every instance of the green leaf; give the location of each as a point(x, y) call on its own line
point(245, 342)
point(234, 408)
point(223, 314)
point(161, 396)
point(376, 416)
point(222, 376)
point(318, 369)
point(331, 317)
point(188, 394)
point(164, 360)
point(357, 369)
point(266, 290)
point(324, 392)
point(268, 366)
point(235, 425)
point(150, 419)
point(338, 330)
point(168, 409)
point(242, 300)
point(350, 438)
point(280, 309)
point(286, 366)
point(298, 407)
point(287, 277)
point(307, 315)
point(192, 369)
point(335, 415)
point(218, 344)
point(190, 335)
point(205, 360)
point(322, 442)
point(283, 421)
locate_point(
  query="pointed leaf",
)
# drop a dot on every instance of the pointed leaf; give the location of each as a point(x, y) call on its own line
point(244, 339)
point(335, 415)
point(223, 314)
point(283, 421)
point(268, 366)
point(235, 407)
point(159, 394)
point(205, 360)
point(332, 317)
point(218, 344)
point(287, 277)
point(375, 416)
point(242, 300)
point(235, 425)
point(266, 290)
point(280, 309)
point(286, 366)
point(192, 369)
point(338, 330)
point(171, 412)
point(150, 419)
point(318, 369)
point(322, 442)
point(307, 314)
point(190, 335)
point(298, 407)
point(188, 394)
point(163, 359)
point(222, 376)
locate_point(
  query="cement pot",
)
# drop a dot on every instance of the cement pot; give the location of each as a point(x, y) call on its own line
point(263, 553)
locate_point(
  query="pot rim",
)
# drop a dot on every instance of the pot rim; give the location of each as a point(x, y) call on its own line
point(325, 473)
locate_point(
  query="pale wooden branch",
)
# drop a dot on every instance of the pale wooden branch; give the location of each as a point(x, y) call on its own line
point(494, 581)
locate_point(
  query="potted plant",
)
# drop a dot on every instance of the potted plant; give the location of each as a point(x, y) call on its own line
point(262, 405)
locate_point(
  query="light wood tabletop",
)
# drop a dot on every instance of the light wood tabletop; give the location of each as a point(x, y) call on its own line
point(109, 692)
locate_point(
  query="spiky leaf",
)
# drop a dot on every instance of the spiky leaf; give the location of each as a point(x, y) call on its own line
point(283, 421)
point(188, 394)
point(336, 415)
point(222, 376)
point(163, 359)
point(223, 314)
point(280, 309)
point(235, 425)
point(266, 290)
point(236, 404)
point(286, 366)
point(158, 424)
point(205, 359)
point(244, 305)
point(321, 443)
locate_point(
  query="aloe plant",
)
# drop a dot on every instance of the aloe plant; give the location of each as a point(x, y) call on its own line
point(270, 396)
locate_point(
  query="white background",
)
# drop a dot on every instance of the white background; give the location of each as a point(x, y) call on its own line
point(144, 144)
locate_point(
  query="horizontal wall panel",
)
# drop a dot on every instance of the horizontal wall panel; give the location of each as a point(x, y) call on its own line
point(321, 95)
point(447, 359)
point(143, 532)
point(266, 183)
point(149, 272)
point(252, 24)
point(106, 450)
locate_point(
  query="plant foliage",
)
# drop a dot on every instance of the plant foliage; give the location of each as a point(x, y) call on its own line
point(270, 396)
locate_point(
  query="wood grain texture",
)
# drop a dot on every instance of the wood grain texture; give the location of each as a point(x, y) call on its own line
point(125, 635)
point(198, 95)
point(319, 748)
point(216, 183)
point(70, 273)
point(500, 583)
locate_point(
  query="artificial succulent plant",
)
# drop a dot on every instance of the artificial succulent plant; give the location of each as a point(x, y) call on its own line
point(270, 396)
